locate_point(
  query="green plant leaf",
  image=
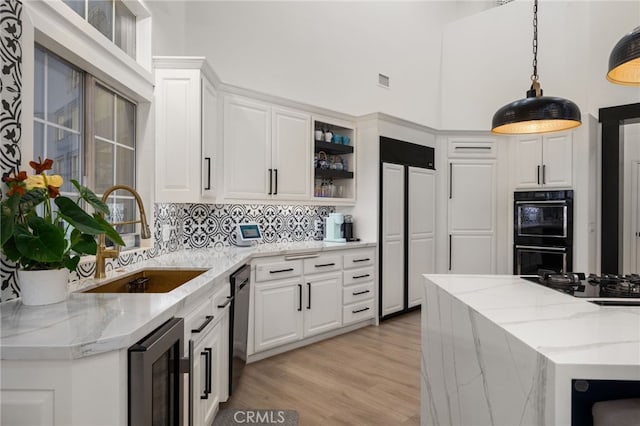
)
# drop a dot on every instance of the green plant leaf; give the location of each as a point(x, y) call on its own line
point(78, 218)
point(108, 230)
point(10, 250)
point(85, 244)
point(33, 198)
point(90, 197)
point(43, 242)
point(72, 263)
point(8, 212)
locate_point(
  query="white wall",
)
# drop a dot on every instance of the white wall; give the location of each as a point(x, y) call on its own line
point(487, 58)
point(326, 54)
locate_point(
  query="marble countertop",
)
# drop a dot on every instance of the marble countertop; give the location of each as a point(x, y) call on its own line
point(563, 328)
point(92, 323)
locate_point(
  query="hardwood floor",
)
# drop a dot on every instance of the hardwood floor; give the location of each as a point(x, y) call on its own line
point(368, 377)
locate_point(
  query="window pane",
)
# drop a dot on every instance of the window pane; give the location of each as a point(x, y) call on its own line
point(101, 16)
point(103, 166)
point(38, 107)
point(38, 142)
point(126, 122)
point(125, 166)
point(122, 209)
point(77, 6)
point(64, 93)
point(63, 147)
point(104, 120)
point(125, 36)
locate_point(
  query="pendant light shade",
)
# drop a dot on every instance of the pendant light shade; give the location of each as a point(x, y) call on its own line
point(624, 61)
point(539, 114)
point(536, 113)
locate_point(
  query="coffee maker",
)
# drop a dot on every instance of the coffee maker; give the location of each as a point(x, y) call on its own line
point(347, 228)
point(333, 228)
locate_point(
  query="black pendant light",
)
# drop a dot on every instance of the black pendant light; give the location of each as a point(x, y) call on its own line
point(624, 61)
point(536, 113)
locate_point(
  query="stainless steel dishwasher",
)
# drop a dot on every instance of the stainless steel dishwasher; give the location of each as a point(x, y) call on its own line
point(238, 325)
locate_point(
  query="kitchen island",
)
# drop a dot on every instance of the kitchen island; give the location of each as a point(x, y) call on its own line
point(500, 350)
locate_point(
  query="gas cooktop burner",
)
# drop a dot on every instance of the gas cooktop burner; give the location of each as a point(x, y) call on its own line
point(617, 285)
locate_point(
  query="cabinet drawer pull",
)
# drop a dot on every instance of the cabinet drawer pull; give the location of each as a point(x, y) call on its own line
point(309, 295)
point(361, 276)
point(208, 160)
point(366, 259)
point(277, 271)
point(544, 173)
point(360, 310)
point(275, 171)
point(299, 297)
point(207, 372)
point(538, 174)
point(226, 302)
point(206, 322)
point(270, 182)
point(323, 265)
point(357, 293)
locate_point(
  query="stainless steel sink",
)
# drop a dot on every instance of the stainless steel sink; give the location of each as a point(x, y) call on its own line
point(149, 280)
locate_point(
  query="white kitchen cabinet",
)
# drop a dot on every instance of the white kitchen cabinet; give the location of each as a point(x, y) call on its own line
point(266, 150)
point(323, 310)
point(278, 313)
point(472, 216)
point(543, 161)
point(358, 292)
point(402, 268)
point(421, 230)
point(393, 235)
point(207, 366)
point(186, 107)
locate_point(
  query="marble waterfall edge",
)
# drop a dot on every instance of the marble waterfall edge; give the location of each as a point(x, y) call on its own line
point(475, 373)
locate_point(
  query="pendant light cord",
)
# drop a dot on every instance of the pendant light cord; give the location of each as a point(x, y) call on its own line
point(535, 85)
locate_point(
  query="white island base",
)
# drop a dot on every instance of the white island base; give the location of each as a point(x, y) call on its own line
point(499, 350)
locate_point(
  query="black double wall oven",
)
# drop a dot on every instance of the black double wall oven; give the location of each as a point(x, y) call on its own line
point(543, 231)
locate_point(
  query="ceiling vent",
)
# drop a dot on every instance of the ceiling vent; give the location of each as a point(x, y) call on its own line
point(383, 80)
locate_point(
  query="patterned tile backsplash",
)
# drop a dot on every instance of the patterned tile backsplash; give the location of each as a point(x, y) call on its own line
point(211, 225)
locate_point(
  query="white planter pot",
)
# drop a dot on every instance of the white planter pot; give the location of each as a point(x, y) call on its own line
point(43, 287)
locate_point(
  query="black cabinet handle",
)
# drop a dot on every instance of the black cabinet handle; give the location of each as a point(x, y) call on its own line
point(208, 160)
point(270, 182)
point(309, 296)
point(366, 259)
point(357, 293)
point(361, 276)
point(300, 297)
point(276, 175)
point(360, 310)
point(322, 265)
point(449, 251)
point(450, 180)
point(538, 174)
point(206, 322)
point(277, 271)
point(544, 177)
point(226, 302)
point(207, 372)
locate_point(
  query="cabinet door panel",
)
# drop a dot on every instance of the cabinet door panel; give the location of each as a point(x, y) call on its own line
point(291, 154)
point(421, 261)
point(277, 318)
point(527, 161)
point(392, 238)
point(27, 407)
point(247, 148)
point(209, 119)
point(323, 303)
point(178, 145)
point(472, 200)
point(472, 254)
point(557, 153)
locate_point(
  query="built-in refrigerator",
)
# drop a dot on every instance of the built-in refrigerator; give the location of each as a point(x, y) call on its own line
point(407, 224)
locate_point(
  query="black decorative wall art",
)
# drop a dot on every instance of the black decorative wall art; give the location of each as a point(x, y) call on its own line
point(10, 114)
